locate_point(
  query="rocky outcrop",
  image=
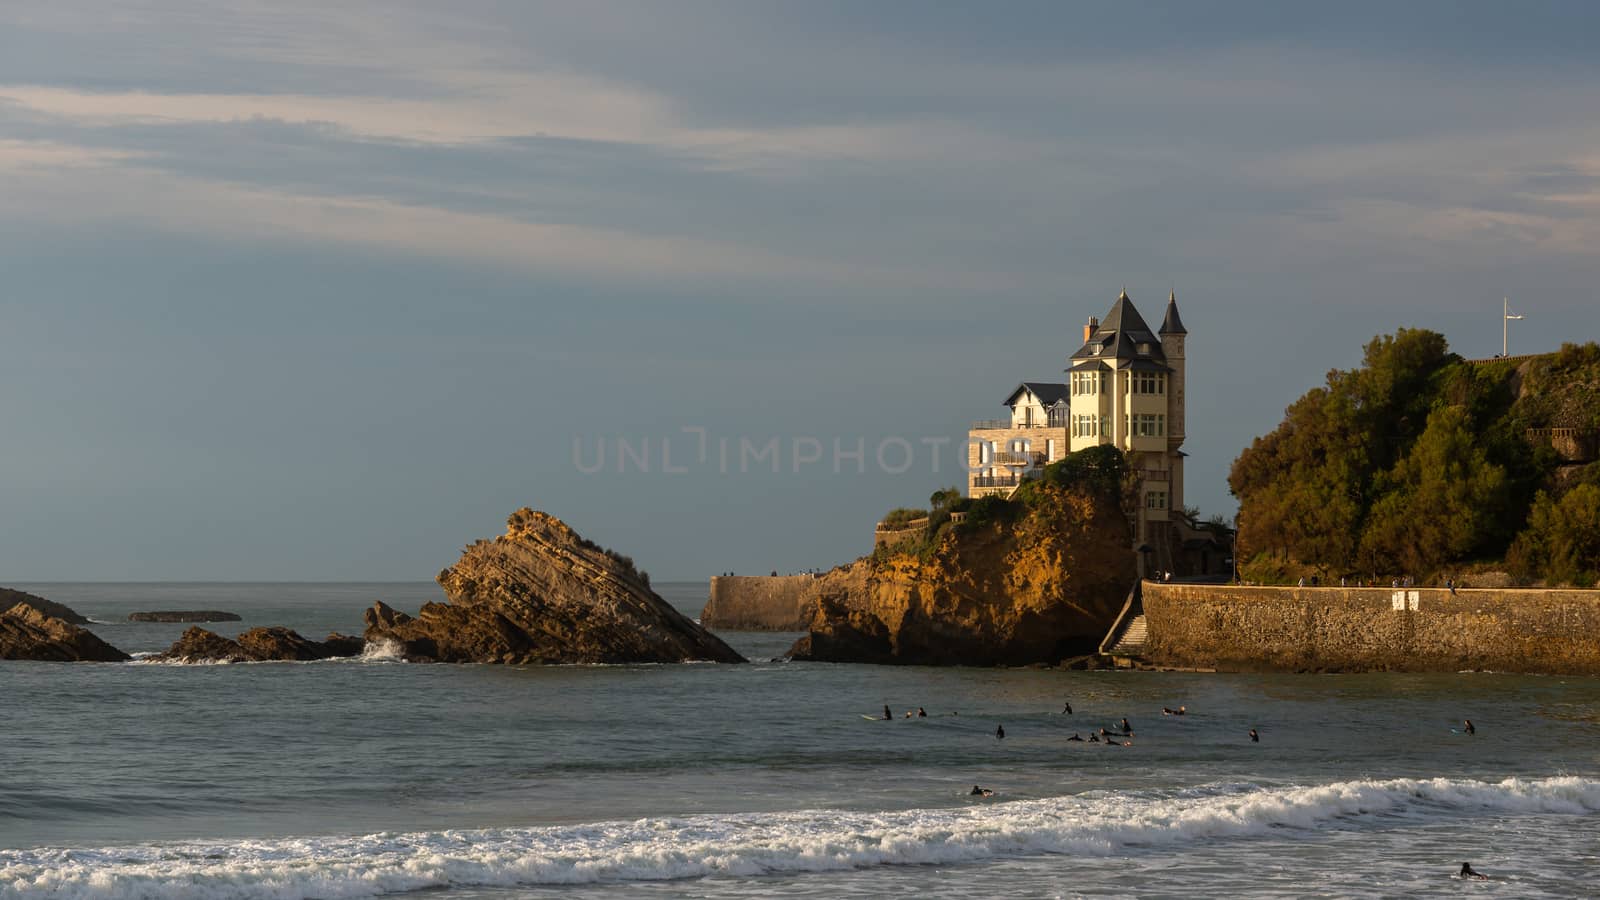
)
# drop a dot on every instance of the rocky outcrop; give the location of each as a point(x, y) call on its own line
point(258, 645)
point(26, 632)
point(1037, 582)
point(541, 594)
point(183, 615)
point(10, 598)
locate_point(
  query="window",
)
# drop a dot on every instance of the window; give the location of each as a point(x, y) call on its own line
point(1049, 449)
point(1149, 383)
point(1155, 500)
point(1147, 425)
point(1084, 426)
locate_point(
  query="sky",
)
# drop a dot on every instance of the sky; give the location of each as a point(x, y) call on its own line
point(294, 292)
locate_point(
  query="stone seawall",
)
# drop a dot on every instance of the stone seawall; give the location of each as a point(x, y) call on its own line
point(1235, 628)
point(760, 603)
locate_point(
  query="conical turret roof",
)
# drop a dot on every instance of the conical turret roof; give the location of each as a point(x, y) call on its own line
point(1173, 324)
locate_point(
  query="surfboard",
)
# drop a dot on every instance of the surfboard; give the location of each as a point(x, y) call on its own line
point(876, 718)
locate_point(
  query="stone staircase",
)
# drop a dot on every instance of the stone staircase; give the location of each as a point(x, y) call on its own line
point(1131, 642)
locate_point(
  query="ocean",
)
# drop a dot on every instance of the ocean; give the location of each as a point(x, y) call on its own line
point(372, 777)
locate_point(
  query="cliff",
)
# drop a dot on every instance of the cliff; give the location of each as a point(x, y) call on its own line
point(28, 633)
point(541, 594)
point(10, 598)
point(1018, 582)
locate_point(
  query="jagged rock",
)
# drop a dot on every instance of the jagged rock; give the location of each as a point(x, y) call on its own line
point(383, 616)
point(1041, 588)
point(541, 594)
point(10, 597)
point(338, 645)
point(28, 633)
point(258, 645)
point(199, 645)
point(183, 615)
point(278, 643)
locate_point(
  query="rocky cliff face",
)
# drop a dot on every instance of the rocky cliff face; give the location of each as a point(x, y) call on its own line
point(541, 594)
point(258, 645)
point(10, 598)
point(28, 633)
point(1039, 588)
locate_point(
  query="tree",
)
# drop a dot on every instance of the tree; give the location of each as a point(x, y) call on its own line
point(1440, 503)
point(1562, 541)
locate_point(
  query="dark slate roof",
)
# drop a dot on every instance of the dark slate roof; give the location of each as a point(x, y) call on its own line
point(1173, 324)
point(1121, 332)
point(1047, 392)
point(1147, 365)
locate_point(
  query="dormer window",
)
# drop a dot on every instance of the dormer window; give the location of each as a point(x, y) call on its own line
point(1144, 349)
point(1096, 347)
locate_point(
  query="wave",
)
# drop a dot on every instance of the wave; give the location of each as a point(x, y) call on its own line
point(1100, 823)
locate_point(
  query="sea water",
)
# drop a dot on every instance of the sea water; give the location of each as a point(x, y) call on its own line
point(372, 776)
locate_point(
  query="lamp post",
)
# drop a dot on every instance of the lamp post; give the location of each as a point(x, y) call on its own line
point(1505, 319)
point(1234, 548)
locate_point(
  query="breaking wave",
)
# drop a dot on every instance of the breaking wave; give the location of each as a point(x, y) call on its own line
point(756, 843)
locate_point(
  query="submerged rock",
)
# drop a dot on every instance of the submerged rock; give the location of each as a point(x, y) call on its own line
point(541, 594)
point(184, 615)
point(1039, 582)
point(10, 597)
point(28, 633)
point(258, 645)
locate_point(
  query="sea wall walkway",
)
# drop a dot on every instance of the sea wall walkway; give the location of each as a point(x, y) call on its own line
point(1242, 628)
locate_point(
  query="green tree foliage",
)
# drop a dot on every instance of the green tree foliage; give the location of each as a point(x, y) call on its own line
point(1413, 461)
point(1562, 541)
point(1438, 504)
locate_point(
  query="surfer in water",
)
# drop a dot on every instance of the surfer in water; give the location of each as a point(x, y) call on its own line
point(1126, 728)
point(1066, 709)
point(980, 792)
point(922, 713)
point(1075, 737)
point(1000, 732)
point(1182, 710)
point(1254, 738)
point(1467, 727)
point(1094, 738)
point(1467, 871)
point(886, 713)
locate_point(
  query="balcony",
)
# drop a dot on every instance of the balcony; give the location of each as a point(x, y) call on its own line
point(1012, 458)
point(1007, 425)
point(996, 481)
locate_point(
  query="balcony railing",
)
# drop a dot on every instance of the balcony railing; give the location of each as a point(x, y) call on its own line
point(1012, 458)
point(992, 481)
point(1008, 425)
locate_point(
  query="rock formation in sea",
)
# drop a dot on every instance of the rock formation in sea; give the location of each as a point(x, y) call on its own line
point(258, 645)
point(1035, 580)
point(10, 597)
point(183, 615)
point(26, 632)
point(541, 594)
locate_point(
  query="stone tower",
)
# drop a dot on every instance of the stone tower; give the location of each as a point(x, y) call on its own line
point(1173, 335)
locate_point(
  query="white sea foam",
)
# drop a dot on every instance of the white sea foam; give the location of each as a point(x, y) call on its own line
point(755, 843)
point(383, 650)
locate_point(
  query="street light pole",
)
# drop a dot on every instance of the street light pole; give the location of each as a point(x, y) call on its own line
point(1505, 326)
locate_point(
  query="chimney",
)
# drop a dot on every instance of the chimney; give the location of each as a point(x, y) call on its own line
point(1088, 330)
